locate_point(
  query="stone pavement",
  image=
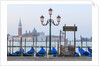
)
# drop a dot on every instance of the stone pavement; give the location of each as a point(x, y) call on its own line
point(31, 58)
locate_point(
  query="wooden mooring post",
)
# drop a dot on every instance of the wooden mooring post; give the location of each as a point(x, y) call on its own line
point(65, 38)
point(33, 42)
point(46, 46)
point(21, 45)
point(25, 45)
point(57, 47)
point(81, 44)
point(36, 44)
point(60, 37)
point(7, 45)
point(60, 41)
point(86, 43)
point(12, 45)
point(74, 40)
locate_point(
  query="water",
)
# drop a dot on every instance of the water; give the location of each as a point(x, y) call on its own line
point(40, 44)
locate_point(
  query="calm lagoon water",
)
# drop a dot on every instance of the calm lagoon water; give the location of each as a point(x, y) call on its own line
point(40, 44)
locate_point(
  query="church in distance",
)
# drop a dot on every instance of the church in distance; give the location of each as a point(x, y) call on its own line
point(32, 34)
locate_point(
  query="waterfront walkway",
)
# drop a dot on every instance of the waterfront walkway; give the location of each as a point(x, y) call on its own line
point(31, 58)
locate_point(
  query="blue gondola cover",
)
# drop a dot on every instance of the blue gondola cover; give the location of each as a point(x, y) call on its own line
point(54, 52)
point(90, 50)
point(84, 53)
point(30, 52)
point(76, 54)
point(17, 53)
point(41, 52)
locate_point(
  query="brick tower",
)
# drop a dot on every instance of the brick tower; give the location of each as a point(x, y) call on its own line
point(19, 28)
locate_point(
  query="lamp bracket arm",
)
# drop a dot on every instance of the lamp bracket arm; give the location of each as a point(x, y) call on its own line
point(54, 23)
point(46, 23)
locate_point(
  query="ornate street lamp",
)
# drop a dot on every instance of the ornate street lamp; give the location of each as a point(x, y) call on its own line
point(50, 11)
point(42, 18)
point(58, 18)
point(50, 21)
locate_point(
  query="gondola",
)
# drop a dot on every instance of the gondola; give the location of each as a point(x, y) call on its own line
point(42, 52)
point(17, 53)
point(84, 53)
point(54, 52)
point(90, 50)
point(76, 54)
point(29, 53)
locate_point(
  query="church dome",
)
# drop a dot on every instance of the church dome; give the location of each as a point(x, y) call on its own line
point(34, 31)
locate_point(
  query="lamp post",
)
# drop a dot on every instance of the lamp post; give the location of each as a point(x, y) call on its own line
point(50, 21)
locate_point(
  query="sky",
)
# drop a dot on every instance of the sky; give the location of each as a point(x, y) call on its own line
point(79, 14)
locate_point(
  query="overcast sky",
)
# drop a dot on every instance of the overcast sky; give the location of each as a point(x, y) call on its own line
point(71, 14)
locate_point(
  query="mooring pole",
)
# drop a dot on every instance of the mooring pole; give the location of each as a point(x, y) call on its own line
point(58, 47)
point(7, 45)
point(12, 45)
point(74, 40)
point(33, 42)
point(46, 46)
point(65, 40)
point(60, 41)
point(25, 45)
point(36, 44)
point(81, 44)
point(86, 43)
point(21, 45)
point(60, 37)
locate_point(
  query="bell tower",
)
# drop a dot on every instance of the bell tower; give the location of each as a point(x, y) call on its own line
point(19, 28)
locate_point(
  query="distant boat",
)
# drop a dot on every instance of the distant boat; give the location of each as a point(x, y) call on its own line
point(42, 52)
point(17, 53)
point(84, 53)
point(29, 53)
point(54, 52)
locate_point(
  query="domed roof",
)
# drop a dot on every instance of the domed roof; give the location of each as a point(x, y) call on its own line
point(34, 31)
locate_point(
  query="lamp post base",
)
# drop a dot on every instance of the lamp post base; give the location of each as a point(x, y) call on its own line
point(50, 52)
point(49, 56)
